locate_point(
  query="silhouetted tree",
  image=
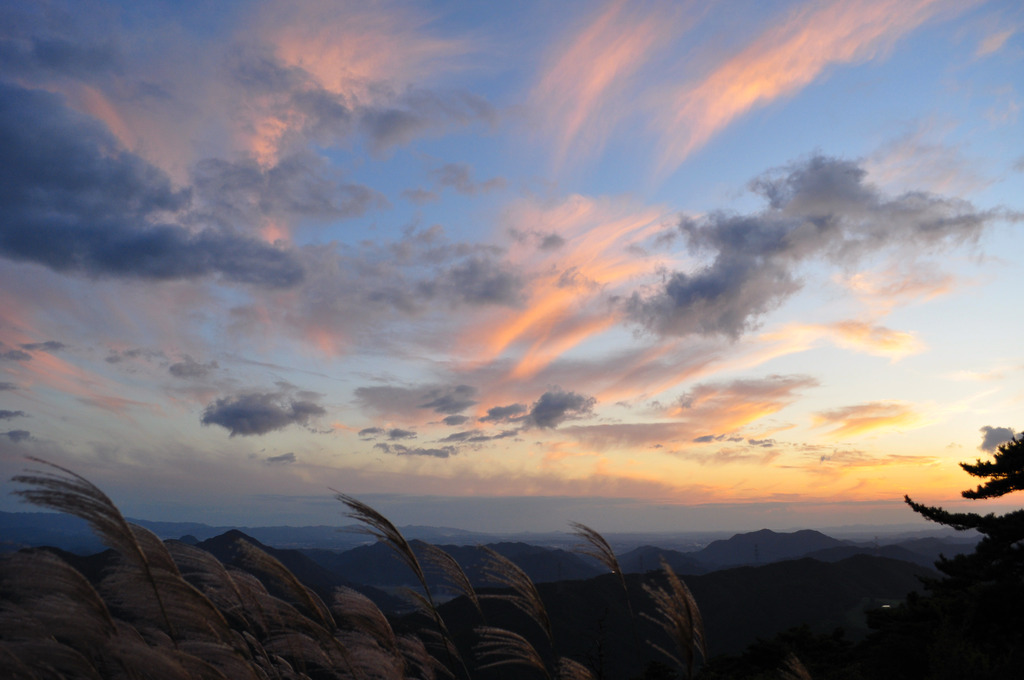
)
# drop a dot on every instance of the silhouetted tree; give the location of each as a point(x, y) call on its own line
point(971, 624)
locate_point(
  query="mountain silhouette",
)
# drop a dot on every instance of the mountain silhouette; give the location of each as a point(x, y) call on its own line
point(377, 565)
point(763, 547)
point(321, 580)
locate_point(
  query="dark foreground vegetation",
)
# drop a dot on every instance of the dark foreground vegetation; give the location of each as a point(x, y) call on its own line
point(167, 609)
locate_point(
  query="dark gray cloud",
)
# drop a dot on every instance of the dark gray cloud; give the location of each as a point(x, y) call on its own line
point(477, 281)
point(392, 400)
point(323, 117)
point(260, 413)
point(557, 406)
point(992, 437)
point(117, 356)
point(283, 459)
point(449, 400)
point(454, 420)
point(401, 450)
point(459, 176)
point(301, 185)
point(417, 112)
point(477, 437)
point(818, 208)
point(542, 240)
point(422, 273)
point(72, 199)
point(729, 456)
point(189, 368)
point(48, 346)
point(15, 355)
point(7, 415)
point(328, 117)
point(7, 386)
point(397, 433)
point(419, 196)
point(40, 45)
point(716, 438)
point(17, 435)
point(371, 432)
point(504, 414)
point(551, 242)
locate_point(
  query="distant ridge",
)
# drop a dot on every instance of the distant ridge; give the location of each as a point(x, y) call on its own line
point(763, 547)
point(376, 564)
point(225, 548)
point(648, 558)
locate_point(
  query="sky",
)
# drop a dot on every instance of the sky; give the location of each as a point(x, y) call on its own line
point(498, 266)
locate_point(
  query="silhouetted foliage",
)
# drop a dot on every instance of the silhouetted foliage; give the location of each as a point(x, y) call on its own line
point(154, 609)
point(969, 625)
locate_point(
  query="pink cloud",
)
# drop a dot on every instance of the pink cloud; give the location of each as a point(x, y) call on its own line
point(579, 95)
point(784, 59)
point(862, 419)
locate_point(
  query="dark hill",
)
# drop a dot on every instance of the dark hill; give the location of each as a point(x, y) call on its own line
point(763, 547)
point(591, 622)
point(377, 565)
point(321, 580)
point(648, 558)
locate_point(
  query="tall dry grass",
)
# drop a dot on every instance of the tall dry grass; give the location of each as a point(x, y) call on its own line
point(171, 610)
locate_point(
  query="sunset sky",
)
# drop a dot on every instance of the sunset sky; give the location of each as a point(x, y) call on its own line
point(645, 265)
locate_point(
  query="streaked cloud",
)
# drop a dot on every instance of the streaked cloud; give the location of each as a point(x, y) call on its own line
point(995, 41)
point(701, 414)
point(785, 58)
point(579, 94)
point(863, 419)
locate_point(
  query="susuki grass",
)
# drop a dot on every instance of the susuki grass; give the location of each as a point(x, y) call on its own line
point(170, 610)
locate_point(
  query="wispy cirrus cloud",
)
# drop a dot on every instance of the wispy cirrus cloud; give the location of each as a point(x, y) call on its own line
point(565, 288)
point(862, 419)
point(853, 334)
point(579, 94)
point(785, 58)
point(701, 414)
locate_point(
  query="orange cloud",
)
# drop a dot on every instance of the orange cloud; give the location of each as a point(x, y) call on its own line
point(708, 410)
point(365, 52)
point(883, 290)
point(784, 59)
point(567, 285)
point(877, 340)
point(860, 336)
point(723, 408)
point(576, 95)
point(861, 419)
